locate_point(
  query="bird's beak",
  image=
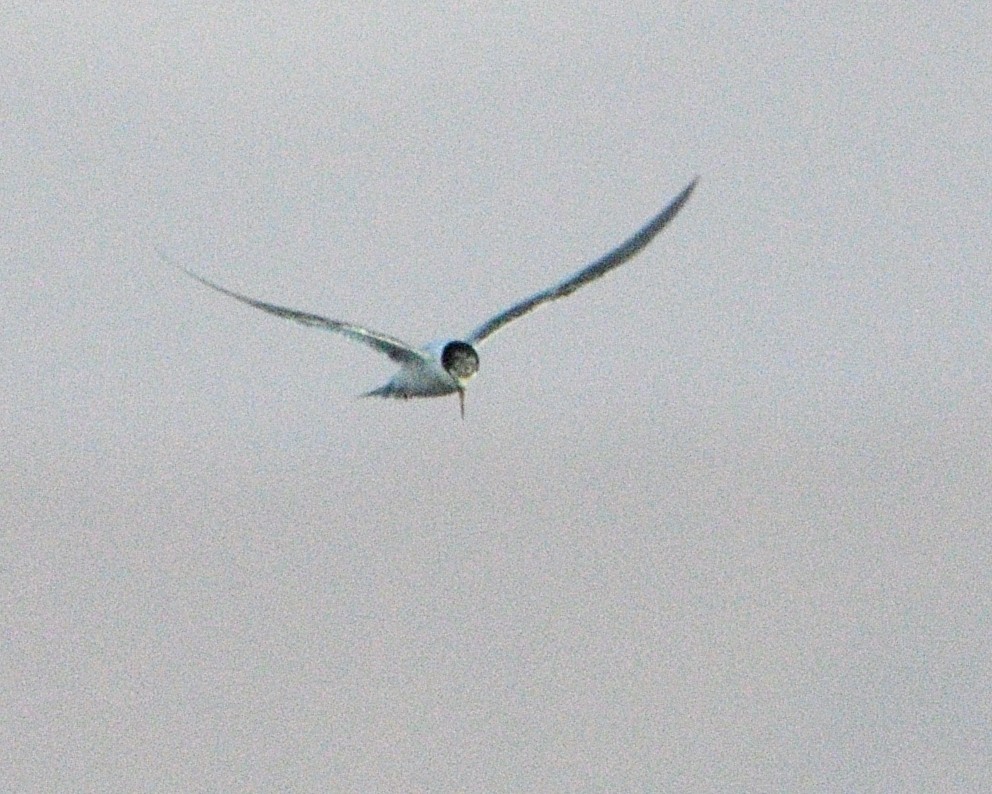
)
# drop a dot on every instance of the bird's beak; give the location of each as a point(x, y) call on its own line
point(461, 401)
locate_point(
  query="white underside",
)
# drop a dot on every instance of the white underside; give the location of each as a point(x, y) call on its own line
point(428, 380)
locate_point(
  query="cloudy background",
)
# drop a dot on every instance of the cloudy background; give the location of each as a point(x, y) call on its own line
point(719, 522)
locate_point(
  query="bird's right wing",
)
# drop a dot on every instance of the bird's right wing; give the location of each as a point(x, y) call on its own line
point(397, 350)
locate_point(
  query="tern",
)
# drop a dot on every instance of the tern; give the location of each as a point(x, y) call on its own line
point(445, 367)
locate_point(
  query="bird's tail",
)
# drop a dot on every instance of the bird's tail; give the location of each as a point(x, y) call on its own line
point(388, 390)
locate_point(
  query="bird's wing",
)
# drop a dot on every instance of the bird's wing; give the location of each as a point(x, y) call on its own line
point(600, 267)
point(397, 350)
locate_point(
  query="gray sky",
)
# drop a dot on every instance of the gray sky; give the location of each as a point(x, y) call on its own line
point(717, 522)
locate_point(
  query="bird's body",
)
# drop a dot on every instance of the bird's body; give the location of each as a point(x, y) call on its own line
point(446, 366)
point(427, 378)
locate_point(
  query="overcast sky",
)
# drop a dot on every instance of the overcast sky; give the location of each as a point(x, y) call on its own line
point(719, 522)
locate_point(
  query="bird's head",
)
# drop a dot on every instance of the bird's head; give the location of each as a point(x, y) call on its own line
point(461, 362)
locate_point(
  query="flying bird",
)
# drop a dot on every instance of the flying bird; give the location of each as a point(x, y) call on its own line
point(446, 366)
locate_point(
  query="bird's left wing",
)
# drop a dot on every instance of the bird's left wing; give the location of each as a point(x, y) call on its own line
point(397, 350)
point(600, 267)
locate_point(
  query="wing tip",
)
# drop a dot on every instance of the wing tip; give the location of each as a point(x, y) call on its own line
point(192, 274)
point(687, 190)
